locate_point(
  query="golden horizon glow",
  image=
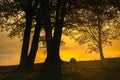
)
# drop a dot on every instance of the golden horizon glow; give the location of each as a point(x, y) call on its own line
point(10, 51)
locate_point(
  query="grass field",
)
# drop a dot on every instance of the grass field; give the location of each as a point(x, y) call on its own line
point(108, 69)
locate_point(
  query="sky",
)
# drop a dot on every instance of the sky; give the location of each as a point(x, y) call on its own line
point(10, 50)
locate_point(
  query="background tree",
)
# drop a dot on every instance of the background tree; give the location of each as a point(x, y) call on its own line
point(89, 25)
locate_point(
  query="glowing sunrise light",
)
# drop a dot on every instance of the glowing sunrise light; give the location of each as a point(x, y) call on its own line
point(63, 28)
point(67, 51)
point(107, 27)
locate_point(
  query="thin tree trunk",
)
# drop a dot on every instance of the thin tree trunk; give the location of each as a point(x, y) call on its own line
point(35, 41)
point(34, 46)
point(49, 44)
point(100, 38)
point(57, 40)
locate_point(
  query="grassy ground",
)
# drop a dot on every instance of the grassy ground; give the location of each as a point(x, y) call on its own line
point(108, 69)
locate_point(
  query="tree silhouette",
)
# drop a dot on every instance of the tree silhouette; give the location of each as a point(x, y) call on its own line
point(26, 38)
point(51, 15)
point(88, 25)
point(29, 8)
point(53, 39)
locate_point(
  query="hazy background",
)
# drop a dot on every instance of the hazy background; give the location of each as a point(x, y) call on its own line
point(10, 50)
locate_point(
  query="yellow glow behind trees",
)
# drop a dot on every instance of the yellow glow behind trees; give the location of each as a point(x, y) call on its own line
point(10, 51)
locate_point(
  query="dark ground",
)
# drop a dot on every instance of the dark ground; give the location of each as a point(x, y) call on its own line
point(108, 69)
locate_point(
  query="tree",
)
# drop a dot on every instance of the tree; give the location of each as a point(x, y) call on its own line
point(51, 15)
point(8, 14)
point(29, 8)
point(91, 27)
point(53, 41)
point(8, 10)
point(26, 38)
point(35, 41)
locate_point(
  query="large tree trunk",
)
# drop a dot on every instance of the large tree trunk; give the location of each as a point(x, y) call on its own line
point(53, 46)
point(26, 38)
point(100, 38)
point(48, 33)
point(52, 56)
point(25, 46)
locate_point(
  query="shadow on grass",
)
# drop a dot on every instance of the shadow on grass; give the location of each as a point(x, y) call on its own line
point(50, 71)
point(108, 69)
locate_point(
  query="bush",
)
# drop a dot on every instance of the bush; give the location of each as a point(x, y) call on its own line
point(72, 60)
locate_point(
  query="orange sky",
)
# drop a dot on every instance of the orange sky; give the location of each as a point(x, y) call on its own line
point(10, 51)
